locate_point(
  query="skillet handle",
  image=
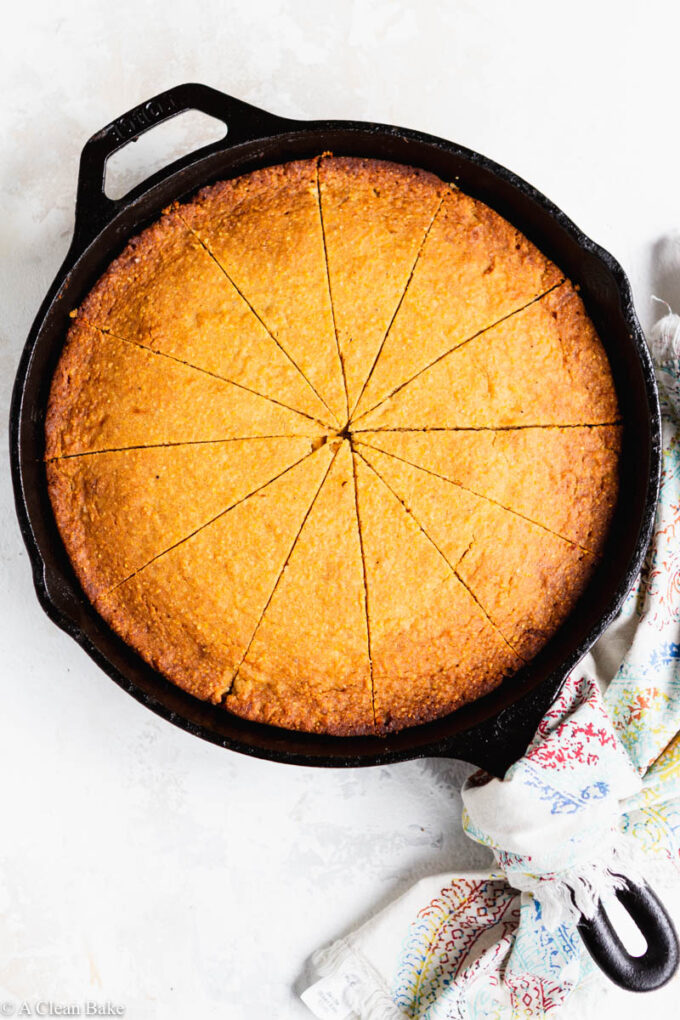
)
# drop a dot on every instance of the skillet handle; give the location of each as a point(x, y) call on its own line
point(243, 122)
point(658, 963)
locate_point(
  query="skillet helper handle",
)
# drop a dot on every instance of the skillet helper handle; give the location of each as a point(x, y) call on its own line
point(244, 122)
point(658, 963)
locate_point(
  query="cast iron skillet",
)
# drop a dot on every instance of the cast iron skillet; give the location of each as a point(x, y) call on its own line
point(493, 731)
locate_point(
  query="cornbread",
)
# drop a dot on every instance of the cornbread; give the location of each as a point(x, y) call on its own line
point(334, 446)
point(266, 233)
point(376, 217)
point(108, 394)
point(431, 643)
point(193, 610)
point(155, 496)
point(474, 269)
point(564, 479)
point(166, 293)
point(499, 377)
point(306, 666)
point(525, 576)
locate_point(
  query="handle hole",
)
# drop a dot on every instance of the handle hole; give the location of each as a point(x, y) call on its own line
point(625, 927)
point(157, 148)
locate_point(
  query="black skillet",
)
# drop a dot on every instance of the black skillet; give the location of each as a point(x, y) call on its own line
point(494, 731)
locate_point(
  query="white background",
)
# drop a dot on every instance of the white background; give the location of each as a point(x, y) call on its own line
point(138, 864)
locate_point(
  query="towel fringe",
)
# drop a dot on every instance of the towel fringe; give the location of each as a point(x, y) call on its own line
point(664, 337)
point(349, 986)
point(577, 891)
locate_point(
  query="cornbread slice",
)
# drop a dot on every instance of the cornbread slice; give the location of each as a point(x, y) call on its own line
point(525, 578)
point(563, 479)
point(107, 394)
point(265, 231)
point(192, 612)
point(308, 666)
point(474, 269)
point(375, 218)
point(165, 292)
point(118, 510)
point(543, 366)
point(432, 647)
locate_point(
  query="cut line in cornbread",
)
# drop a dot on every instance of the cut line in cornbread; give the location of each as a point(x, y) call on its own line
point(192, 612)
point(432, 647)
point(108, 394)
point(265, 231)
point(376, 216)
point(165, 292)
point(526, 579)
point(308, 665)
point(117, 510)
point(474, 269)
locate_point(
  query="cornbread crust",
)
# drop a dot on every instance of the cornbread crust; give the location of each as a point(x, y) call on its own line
point(308, 665)
point(192, 612)
point(565, 480)
point(265, 231)
point(545, 365)
point(116, 511)
point(474, 269)
point(107, 394)
point(165, 292)
point(432, 647)
point(375, 217)
point(525, 578)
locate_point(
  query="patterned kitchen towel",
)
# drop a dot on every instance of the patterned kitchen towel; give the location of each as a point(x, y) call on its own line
point(596, 795)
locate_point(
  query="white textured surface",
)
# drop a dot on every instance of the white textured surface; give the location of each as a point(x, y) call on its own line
point(138, 864)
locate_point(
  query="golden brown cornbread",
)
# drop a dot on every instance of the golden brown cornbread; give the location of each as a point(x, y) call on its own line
point(474, 269)
point(265, 231)
point(432, 646)
point(563, 479)
point(108, 394)
point(308, 664)
point(543, 366)
point(154, 496)
point(525, 576)
point(167, 293)
point(174, 610)
point(303, 567)
point(375, 217)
